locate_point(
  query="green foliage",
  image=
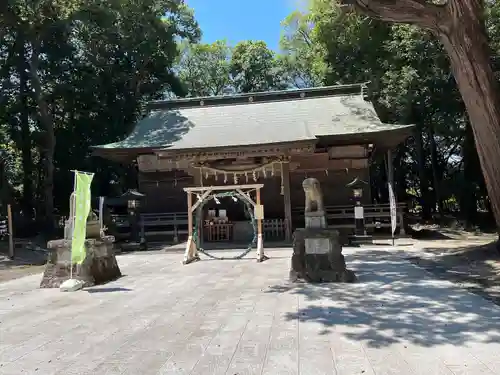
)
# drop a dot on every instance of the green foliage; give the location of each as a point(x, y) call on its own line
point(83, 70)
point(302, 59)
point(218, 69)
point(96, 63)
point(254, 68)
point(204, 69)
point(411, 82)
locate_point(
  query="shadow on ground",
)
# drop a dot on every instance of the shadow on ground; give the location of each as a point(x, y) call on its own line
point(396, 302)
point(26, 262)
point(22, 257)
point(475, 267)
point(106, 290)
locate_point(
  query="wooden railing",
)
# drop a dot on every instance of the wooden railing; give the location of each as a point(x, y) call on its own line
point(175, 225)
point(218, 232)
point(274, 229)
point(342, 217)
point(152, 225)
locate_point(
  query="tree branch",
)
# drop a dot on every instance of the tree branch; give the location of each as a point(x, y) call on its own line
point(415, 12)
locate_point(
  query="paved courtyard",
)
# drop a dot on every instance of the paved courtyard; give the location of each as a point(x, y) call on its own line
point(240, 317)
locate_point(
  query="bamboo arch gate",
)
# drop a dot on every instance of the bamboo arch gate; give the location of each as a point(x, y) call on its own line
point(203, 195)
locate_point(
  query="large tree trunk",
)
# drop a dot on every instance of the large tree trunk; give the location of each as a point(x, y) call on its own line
point(460, 25)
point(25, 138)
point(49, 139)
point(423, 184)
point(467, 45)
point(468, 198)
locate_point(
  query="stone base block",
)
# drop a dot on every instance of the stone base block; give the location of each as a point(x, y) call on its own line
point(100, 265)
point(317, 257)
point(71, 285)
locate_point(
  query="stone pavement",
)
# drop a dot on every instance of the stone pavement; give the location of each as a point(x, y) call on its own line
point(241, 317)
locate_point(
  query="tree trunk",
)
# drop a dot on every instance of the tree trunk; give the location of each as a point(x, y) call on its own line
point(25, 138)
point(49, 139)
point(468, 201)
point(467, 45)
point(423, 183)
point(401, 188)
point(436, 171)
point(460, 26)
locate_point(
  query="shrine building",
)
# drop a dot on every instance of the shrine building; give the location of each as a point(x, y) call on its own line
point(274, 138)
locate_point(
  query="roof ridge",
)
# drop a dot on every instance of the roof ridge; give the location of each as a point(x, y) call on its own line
point(259, 97)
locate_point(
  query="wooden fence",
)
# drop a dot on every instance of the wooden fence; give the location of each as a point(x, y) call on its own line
point(174, 226)
point(342, 217)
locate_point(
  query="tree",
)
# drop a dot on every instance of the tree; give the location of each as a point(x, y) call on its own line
point(301, 58)
point(254, 68)
point(205, 68)
point(79, 72)
point(460, 26)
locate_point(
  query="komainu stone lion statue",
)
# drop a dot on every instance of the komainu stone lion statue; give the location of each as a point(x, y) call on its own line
point(314, 198)
point(94, 229)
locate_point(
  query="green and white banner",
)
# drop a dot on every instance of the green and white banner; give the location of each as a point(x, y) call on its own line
point(82, 208)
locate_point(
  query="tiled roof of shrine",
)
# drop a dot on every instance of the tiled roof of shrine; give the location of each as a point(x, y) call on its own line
point(254, 119)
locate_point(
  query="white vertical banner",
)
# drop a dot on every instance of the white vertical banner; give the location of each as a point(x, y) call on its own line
point(101, 212)
point(392, 204)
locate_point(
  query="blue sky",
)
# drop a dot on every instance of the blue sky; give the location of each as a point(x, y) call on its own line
point(237, 20)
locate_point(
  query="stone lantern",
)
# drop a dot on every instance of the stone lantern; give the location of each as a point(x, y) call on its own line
point(134, 200)
point(357, 186)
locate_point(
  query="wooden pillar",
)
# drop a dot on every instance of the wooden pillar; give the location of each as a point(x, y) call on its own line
point(287, 201)
point(260, 243)
point(190, 252)
point(190, 214)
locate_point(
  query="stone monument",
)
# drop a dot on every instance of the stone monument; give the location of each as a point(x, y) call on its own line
point(99, 266)
point(317, 252)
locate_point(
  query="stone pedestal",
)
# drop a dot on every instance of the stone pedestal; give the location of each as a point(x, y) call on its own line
point(317, 250)
point(315, 219)
point(317, 257)
point(99, 266)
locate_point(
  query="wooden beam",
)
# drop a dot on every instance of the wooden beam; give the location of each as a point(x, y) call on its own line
point(200, 189)
point(246, 196)
point(198, 202)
